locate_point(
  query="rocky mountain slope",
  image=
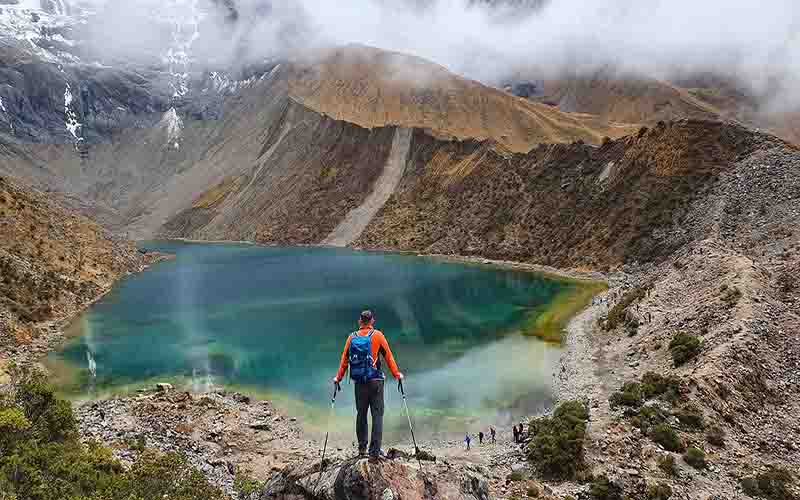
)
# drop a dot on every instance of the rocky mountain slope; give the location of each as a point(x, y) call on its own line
point(53, 263)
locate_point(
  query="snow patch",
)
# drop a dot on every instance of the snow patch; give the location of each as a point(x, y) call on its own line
point(71, 117)
point(173, 126)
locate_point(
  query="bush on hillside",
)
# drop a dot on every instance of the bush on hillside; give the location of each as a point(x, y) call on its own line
point(616, 316)
point(773, 484)
point(660, 491)
point(557, 444)
point(648, 417)
point(666, 436)
point(695, 457)
point(604, 489)
point(667, 464)
point(684, 347)
point(652, 385)
point(42, 457)
point(691, 417)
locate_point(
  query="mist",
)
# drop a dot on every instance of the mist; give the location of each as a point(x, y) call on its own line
point(756, 43)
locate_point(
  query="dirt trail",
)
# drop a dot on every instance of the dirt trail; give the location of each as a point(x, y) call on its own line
point(356, 221)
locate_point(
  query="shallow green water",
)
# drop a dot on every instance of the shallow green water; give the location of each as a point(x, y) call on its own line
point(275, 320)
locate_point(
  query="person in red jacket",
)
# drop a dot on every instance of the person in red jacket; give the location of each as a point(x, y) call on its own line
point(362, 352)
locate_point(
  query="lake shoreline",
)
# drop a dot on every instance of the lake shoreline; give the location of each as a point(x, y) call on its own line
point(505, 452)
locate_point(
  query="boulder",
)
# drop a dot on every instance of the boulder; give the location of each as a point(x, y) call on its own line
point(360, 479)
point(164, 387)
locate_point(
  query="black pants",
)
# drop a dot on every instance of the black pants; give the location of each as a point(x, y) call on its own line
point(369, 396)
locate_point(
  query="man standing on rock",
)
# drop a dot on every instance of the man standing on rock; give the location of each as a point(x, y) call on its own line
point(362, 351)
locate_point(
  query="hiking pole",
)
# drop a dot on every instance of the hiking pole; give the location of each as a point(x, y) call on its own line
point(336, 388)
point(410, 426)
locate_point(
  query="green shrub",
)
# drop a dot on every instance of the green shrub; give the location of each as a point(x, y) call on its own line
point(659, 491)
point(648, 417)
point(652, 385)
point(773, 484)
point(716, 436)
point(515, 477)
point(42, 457)
point(684, 347)
point(666, 436)
point(695, 457)
point(244, 484)
point(691, 416)
point(629, 395)
point(655, 385)
point(667, 464)
point(604, 489)
point(616, 316)
point(533, 491)
point(557, 444)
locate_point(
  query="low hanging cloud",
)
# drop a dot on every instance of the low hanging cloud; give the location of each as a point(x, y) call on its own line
point(757, 43)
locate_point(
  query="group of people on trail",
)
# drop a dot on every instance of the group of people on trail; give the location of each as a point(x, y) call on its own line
point(481, 436)
point(361, 355)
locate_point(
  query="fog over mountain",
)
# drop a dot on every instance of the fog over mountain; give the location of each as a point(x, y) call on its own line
point(756, 42)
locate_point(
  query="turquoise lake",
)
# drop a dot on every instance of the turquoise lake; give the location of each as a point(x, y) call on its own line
point(274, 321)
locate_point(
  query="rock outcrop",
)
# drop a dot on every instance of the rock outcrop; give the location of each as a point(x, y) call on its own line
point(360, 479)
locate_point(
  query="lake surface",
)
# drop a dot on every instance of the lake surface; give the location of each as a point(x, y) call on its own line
point(274, 321)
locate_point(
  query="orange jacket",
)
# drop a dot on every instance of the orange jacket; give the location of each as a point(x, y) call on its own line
point(379, 345)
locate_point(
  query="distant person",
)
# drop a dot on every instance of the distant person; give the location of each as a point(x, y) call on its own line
point(521, 432)
point(516, 434)
point(480, 437)
point(361, 352)
point(493, 433)
point(467, 440)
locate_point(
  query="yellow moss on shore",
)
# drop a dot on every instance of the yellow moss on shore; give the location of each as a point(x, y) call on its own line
point(549, 321)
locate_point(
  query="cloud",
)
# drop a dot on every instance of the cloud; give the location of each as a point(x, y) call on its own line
point(757, 43)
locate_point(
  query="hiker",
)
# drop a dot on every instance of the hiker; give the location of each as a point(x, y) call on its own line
point(480, 437)
point(521, 432)
point(516, 434)
point(493, 433)
point(467, 440)
point(362, 351)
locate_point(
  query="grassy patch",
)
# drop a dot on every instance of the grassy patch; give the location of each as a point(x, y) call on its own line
point(683, 348)
point(557, 445)
point(652, 385)
point(667, 464)
point(648, 417)
point(550, 321)
point(244, 484)
point(616, 316)
point(695, 457)
point(666, 436)
point(691, 417)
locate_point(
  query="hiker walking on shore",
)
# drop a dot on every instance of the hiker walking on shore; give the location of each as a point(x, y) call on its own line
point(480, 437)
point(361, 353)
point(467, 440)
point(516, 434)
point(493, 433)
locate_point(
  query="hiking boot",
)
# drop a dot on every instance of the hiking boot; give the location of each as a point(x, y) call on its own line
point(362, 453)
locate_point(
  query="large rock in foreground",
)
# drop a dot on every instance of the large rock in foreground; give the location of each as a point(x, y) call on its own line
point(359, 479)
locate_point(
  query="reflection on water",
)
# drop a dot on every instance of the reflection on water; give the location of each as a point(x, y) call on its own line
point(276, 320)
